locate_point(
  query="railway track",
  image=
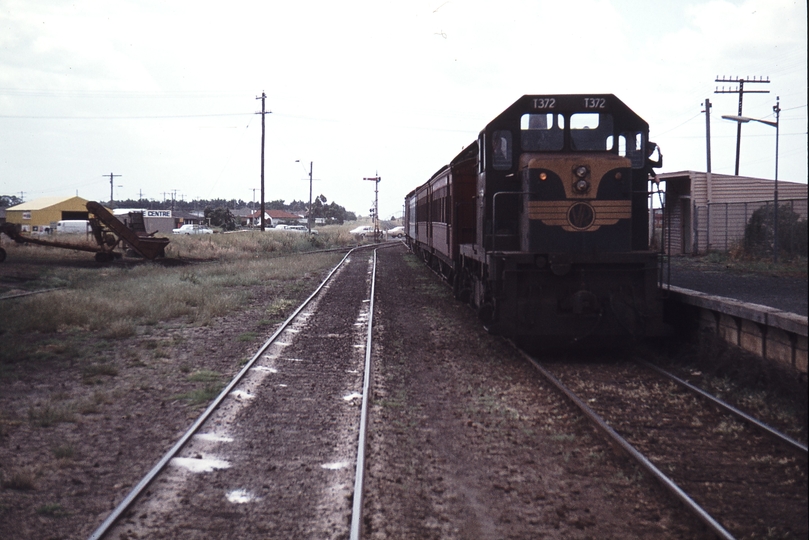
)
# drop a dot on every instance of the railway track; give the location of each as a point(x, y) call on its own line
point(740, 477)
point(457, 453)
point(280, 451)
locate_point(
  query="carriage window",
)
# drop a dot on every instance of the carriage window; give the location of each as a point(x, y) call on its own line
point(590, 131)
point(501, 150)
point(542, 132)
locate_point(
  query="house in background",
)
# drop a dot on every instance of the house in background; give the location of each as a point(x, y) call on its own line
point(244, 216)
point(709, 211)
point(271, 218)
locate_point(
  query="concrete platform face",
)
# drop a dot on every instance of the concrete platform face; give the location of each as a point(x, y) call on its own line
point(764, 331)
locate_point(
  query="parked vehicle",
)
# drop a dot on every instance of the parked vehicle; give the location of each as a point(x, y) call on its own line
point(73, 226)
point(192, 228)
point(396, 232)
point(293, 228)
point(362, 231)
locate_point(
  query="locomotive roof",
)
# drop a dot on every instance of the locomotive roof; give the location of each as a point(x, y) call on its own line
point(565, 103)
point(548, 103)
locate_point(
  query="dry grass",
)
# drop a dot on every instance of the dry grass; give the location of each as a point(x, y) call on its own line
point(21, 480)
point(127, 300)
point(50, 414)
point(120, 300)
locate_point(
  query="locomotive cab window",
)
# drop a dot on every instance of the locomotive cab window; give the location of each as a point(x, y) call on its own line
point(501, 150)
point(542, 132)
point(629, 146)
point(591, 132)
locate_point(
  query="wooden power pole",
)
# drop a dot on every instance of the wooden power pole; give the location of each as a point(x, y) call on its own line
point(263, 112)
point(111, 177)
point(741, 91)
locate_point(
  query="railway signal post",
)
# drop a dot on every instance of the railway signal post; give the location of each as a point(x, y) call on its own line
point(376, 180)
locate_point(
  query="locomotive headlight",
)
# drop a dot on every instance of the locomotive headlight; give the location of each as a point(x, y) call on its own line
point(580, 171)
point(581, 186)
point(543, 176)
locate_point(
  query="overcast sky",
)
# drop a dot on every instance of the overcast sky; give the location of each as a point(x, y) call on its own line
point(163, 92)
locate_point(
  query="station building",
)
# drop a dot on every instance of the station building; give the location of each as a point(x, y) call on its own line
point(709, 211)
point(42, 214)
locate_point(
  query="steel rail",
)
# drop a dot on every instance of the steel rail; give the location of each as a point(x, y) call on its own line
point(138, 489)
point(20, 295)
point(359, 478)
point(728, 408)
point(624, 445)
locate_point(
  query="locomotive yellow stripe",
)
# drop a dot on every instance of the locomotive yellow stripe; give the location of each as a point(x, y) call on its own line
point(555, 213)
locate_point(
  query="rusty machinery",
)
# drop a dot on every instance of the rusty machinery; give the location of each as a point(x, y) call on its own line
point(108, 232)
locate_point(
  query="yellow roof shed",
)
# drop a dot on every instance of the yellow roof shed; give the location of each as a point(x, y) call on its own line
point(46, 211)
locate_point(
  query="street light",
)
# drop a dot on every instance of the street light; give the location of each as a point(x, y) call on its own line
point(309, 216)
point(743, 120)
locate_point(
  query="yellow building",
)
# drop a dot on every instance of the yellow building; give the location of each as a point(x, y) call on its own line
point(34, 216)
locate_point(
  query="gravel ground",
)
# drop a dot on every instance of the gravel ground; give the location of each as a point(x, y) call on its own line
point(466, 440)
point(753, 484)
point(280, 449)
point(73, 442)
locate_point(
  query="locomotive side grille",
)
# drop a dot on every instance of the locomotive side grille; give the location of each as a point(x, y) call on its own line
point(576, 216)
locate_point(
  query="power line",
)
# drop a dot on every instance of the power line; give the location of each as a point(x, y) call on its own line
point(158, 117)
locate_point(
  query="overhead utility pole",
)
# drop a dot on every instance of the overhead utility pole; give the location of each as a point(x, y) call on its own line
point(309, 215)
point(111, 177)
point(263, 97)
point(741, 91)
point(707, 112)
point(777, 110)
point(742, 120)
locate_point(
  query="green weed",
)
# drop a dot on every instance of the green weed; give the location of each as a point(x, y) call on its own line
point(52, 510)
point(20, 480)
point(201, 396)
point(52, 414)
point(63, 451)
point(204, 376)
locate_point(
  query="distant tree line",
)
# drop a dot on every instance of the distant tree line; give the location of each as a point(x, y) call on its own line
point(321, 208)
point(9, 200)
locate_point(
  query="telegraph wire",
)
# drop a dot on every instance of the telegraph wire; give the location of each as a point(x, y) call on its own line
point(158, 117)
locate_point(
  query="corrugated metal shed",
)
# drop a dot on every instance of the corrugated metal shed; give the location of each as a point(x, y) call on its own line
point(710, 211)
point(729, 188)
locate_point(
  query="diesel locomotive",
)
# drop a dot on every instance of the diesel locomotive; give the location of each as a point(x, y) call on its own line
point(542, 223)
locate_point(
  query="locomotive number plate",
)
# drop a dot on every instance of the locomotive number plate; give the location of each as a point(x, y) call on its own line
point(544, 103)
point(594, 103)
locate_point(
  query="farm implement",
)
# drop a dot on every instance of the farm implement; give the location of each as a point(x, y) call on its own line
point(108, 232)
